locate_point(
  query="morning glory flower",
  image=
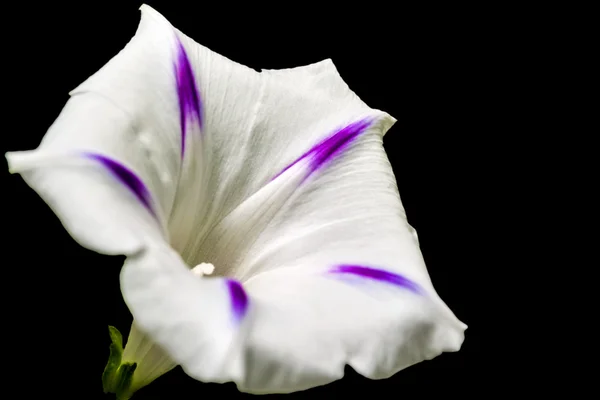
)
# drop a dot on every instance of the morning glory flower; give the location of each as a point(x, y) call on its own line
point(265, 240)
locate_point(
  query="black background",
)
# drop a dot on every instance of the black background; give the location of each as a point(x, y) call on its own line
point(436, 69)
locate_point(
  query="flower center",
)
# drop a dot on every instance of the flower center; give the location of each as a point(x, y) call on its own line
point(203, 269)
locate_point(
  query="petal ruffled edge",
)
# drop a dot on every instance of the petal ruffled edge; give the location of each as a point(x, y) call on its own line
point(287, 330)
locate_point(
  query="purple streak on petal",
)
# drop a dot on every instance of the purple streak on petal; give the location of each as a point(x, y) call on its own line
point(190, 106)
point(377, 275)
point(326, 150)
point(239, 298)
point(127, 177)
point(335, 144)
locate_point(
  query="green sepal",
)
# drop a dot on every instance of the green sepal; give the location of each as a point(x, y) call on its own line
point(117, 376)
point(123, 381)
point(114, 360)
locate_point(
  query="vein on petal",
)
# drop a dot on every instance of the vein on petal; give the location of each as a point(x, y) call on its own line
point(126, 177)
point(190, 105)
point(377, 275)
point(239, 298)
point(332, 146)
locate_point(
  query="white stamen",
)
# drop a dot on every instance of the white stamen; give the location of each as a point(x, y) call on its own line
point(203, 269)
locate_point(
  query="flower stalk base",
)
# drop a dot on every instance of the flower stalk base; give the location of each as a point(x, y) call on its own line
point(117, 376)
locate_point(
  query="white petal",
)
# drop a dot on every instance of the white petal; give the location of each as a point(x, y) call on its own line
point(193, 316)
point(253, 125)
point(333, 273)
point(127, 113)
point(256, 124)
